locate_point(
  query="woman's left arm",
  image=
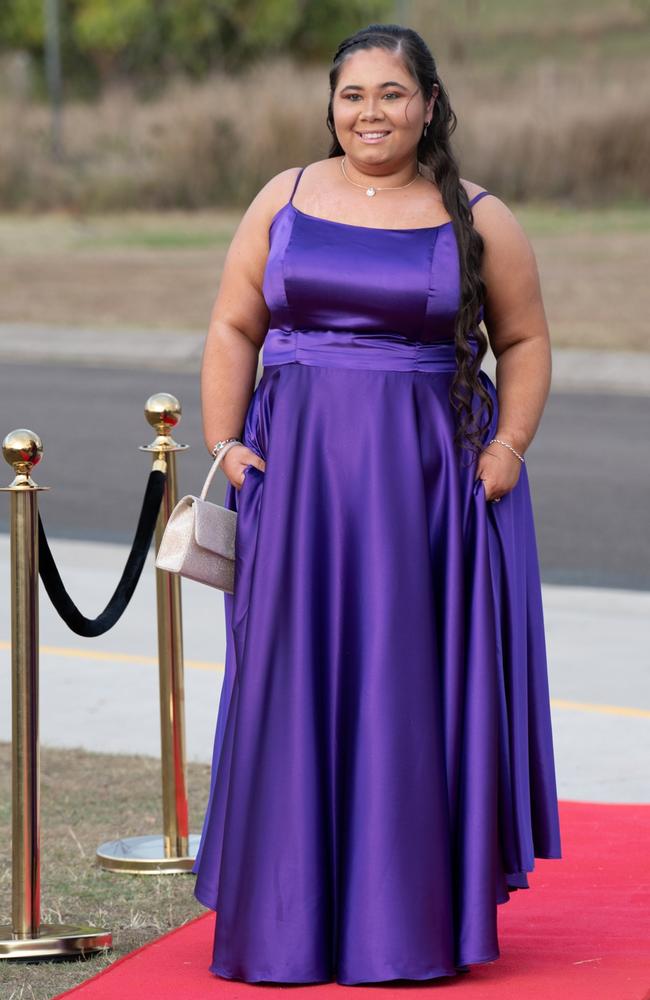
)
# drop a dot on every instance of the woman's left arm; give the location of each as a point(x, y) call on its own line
point(518, 332)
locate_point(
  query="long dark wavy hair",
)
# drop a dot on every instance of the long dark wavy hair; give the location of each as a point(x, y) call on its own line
point(435, 154)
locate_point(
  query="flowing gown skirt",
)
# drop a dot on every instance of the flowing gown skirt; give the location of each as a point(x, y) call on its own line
point(383, 770)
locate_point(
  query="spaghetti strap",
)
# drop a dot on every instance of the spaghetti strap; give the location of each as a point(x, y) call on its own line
point(296, 185)
point(476, 197)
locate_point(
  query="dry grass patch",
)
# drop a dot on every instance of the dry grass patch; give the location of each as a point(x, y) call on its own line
point(88, 799)
point(552, 110)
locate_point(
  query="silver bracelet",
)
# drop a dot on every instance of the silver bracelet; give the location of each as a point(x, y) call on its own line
point(506, 445)
point(221, 444)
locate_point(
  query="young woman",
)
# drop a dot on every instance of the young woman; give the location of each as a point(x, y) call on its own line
point(383, 769)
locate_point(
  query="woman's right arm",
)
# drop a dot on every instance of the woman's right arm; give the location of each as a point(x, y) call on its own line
point(238, 326)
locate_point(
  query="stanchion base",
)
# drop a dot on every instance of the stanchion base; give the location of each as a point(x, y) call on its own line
point(145, 856)
point(54, 941)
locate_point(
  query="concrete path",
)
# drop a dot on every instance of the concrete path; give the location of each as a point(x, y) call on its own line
point(102, 694)
point(574, 370)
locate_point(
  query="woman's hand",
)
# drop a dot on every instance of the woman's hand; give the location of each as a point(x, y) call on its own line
point(499, 469)
point(236, 459)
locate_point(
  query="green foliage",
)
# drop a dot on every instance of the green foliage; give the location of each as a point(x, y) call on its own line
point(268, 25)
point(21, 24)
point(110, 25)
point(328, 22)
point(196, 32)
point(149, 38)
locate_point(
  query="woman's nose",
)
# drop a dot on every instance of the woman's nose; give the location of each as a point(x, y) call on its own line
point(371, 113)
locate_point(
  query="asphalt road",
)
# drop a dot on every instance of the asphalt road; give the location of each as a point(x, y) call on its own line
point(588, 466)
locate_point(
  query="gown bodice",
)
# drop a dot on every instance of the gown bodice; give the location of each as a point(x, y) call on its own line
point(345, 282)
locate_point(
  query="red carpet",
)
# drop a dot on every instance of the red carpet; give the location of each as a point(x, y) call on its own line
point(582, 928)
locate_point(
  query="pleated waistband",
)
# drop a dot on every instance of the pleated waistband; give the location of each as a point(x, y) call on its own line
point(349, 349)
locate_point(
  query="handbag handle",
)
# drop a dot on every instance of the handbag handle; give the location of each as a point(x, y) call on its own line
point(215, 465)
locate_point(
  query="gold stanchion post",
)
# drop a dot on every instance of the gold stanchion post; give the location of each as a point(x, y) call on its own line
point(176, 849)
point(27, 937)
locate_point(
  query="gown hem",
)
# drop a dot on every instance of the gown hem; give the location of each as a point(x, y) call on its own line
point(356, 980)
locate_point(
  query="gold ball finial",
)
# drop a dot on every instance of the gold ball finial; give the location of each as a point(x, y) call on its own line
point(22, 450)
point(163, 411)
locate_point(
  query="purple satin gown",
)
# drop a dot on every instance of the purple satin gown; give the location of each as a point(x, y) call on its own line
point(383, 771)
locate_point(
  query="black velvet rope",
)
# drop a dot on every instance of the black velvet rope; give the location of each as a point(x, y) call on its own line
point(118, 603)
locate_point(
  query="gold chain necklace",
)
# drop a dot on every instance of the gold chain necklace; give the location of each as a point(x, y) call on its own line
point(372, 191)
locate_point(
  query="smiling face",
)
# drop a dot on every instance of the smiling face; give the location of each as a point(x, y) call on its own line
point(379, 111)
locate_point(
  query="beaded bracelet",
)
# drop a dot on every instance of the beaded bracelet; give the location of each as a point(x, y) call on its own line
point(221, 444)
point(506, 445)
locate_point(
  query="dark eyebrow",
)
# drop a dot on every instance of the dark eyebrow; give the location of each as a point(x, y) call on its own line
point(389, 83)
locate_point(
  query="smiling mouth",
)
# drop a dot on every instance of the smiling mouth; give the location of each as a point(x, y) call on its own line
point(373, 135)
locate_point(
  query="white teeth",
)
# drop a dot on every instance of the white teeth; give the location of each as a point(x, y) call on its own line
point(373, 135)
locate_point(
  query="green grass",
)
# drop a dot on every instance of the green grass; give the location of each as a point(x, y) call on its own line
point(169, 239)
point(207, 230)
point(560, 220)
point(58, 231)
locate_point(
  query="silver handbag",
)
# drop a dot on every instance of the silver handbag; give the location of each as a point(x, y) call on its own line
point(199, 538)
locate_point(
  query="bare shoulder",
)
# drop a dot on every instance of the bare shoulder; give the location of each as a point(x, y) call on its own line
point(490, 211)
point(509, 269)
point(502, 232)
point(471, 188)
point(250, 243)
point(269, 199)
point(249, 248)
